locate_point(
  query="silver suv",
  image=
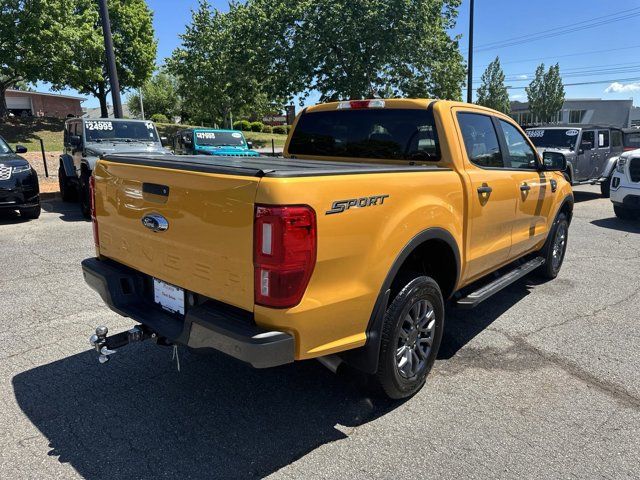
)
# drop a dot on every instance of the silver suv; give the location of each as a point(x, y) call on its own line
point(591, 151)
point(85, 140)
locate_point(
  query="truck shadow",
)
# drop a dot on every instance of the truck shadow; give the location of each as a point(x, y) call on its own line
point(68, 211)
point(462, 326)
point(614, 223)
point(137, 417)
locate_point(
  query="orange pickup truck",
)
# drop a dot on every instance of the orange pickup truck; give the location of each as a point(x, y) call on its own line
point(344, 250)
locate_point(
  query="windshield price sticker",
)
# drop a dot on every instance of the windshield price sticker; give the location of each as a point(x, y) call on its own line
point(571, 133)
point(99, 125)
point(236, 135)
point(149, 125)
point(535, 133)
point(206, 135)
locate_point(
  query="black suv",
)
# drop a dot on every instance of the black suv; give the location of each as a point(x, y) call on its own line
point(19, 188)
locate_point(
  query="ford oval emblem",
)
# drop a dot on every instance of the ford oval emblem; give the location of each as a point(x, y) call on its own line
point(155, 222)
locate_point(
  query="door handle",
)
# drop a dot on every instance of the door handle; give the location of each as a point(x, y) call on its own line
point(485, 189)
point(525, 187)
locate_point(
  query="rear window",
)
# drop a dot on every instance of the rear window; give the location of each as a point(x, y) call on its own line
point(394, 134)
point(632, 140)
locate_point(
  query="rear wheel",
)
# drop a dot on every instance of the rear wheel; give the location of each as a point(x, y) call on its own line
point(555, 248)
point(30, 212)
point(411, 336)
point(624, 213)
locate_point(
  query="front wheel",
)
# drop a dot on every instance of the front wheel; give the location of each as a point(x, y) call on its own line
point(66, 191)
point(85, 208)
point(30, 213)
point(555, 248)
point(623, 213)
point(605, 188)
point(411, 336)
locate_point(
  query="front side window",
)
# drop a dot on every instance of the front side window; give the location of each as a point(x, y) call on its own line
point(4, 148)
point(394, 134)
point(588, 140)
point(480, 140)
point(520, 153)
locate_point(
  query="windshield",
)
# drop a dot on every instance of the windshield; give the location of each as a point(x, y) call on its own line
point(396, 134)
point(554, 138)
point(210, 138)
point(632, 140)
point(104, 130)
point(4, 148)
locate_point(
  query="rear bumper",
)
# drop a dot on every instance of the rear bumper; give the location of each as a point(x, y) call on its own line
point(209, 325)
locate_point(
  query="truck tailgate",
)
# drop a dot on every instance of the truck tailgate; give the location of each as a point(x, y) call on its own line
point(208, 245)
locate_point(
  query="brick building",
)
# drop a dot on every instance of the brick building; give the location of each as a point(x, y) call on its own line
point(40, 104)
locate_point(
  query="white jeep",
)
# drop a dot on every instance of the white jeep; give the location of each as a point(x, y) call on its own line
point(625, 185)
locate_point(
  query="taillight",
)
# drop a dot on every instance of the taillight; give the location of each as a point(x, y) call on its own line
point(284, 253)
point(356, 104)
point(92, 209)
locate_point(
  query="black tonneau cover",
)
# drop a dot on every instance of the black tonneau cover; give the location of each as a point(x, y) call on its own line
point(263, 166)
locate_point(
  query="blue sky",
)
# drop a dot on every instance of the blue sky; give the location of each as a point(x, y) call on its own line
point(608, 51)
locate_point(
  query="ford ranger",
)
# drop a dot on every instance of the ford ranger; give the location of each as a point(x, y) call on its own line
point(345, 250)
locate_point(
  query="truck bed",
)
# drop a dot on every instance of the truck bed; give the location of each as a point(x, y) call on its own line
point(264, 166)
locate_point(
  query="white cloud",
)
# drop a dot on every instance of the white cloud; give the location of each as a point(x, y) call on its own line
point(523, 77)
point(515, 97)
point(617, 87)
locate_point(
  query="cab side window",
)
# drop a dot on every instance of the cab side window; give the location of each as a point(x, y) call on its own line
point(616, 138)
point(603, 138)
point(480, 140)
point(519, 152)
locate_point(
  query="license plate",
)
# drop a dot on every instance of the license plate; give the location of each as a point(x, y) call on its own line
point(169, 297)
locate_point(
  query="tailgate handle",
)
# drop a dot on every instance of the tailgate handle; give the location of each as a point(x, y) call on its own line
point(155, 189)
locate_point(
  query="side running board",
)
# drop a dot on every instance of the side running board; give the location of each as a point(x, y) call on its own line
point(480, 295)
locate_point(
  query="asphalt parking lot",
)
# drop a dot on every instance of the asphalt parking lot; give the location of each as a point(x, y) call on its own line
point(541, 381)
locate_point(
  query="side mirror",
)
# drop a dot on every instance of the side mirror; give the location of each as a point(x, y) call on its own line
point(554, 162)
point(75, 140)
point(250, 145)
point(21, 149)
point(164, 141)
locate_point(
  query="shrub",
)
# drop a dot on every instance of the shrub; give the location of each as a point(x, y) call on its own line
point(256, 126)
point(243, 125)
point(267, 129)
point(159, 118)
point(280, 129)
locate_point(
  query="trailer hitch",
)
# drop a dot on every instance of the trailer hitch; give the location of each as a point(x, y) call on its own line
point(106, 346)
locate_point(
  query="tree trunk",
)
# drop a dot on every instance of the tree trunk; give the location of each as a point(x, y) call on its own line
point(102, 97)
point(4, 112)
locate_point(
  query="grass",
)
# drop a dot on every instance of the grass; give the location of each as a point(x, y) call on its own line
point(27, 131)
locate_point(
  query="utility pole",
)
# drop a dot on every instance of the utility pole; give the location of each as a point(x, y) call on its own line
point(141, 103)
point(470, 61)
point(111, 59)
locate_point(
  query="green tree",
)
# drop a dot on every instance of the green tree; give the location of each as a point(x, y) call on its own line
point(160, 96)
point(545, 93)
point(492, 93)
point(32, 45)
point(134, 44)
point(354, 48)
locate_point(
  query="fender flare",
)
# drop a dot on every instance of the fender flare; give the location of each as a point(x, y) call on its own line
point(366, 358)
point(67, 165)
point(609, 167)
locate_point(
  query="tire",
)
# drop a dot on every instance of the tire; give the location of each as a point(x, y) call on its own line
point(414, 322)
point(66, 191)
point(85, 208)
point(624, 213)
point(605, 188)
point(30, 213)
point(555, 248)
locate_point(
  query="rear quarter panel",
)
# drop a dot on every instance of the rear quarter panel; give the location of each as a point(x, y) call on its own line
point(357, 248)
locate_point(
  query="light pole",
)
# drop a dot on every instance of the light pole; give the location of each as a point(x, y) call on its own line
point(111, 59)
point(470, 61)
point(141, 103)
